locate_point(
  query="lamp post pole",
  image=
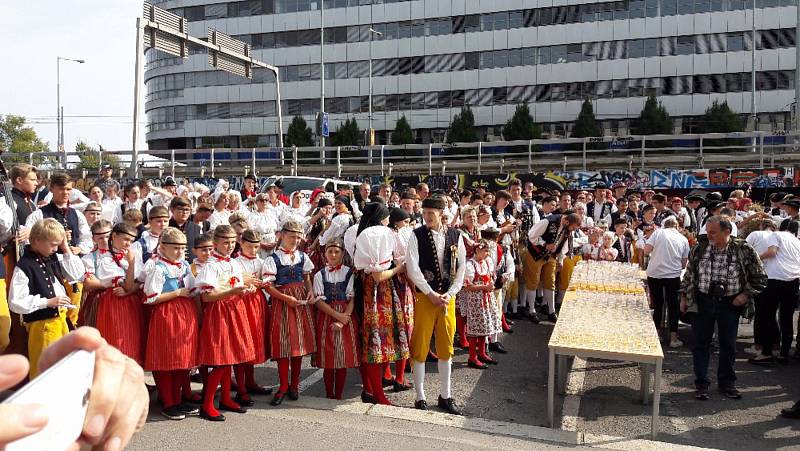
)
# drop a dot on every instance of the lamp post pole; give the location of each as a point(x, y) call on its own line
point(59, 113)
point(369, 129)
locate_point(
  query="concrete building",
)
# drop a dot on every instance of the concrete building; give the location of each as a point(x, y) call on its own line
point(434, 56)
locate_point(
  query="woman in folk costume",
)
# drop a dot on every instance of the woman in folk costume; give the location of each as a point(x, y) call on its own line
point(384, 329)
point(225, 340)
point(257, 316)
point(318, 223)
point(264, 222)
point(342, 220)
point(338, 341)
point(113, 272)
point(173, 332)
point(479, 303)
point(400, 223)
point(221, 213)
point(470, 234)
point(292, 332)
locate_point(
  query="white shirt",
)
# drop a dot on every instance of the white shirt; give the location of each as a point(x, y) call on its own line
point(264, 223)
point(85, 242)
point(251, 267)
point(350, 240)
point(77, 199)
point(375, 249)
point(219, 274)
point(102, 266)
point(152, 247)
point(110, 206)
point(117, 218)
point(337, 229)
point(785, 265)
point(734, 229)
point(270, 270)
point(401, 247)
point(333, 277)
point(669, 250)
point(155, 275)
point(20, 299)
point(218, 218)
point(415, 274)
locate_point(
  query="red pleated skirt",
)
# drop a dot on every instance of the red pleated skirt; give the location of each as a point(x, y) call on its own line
point(120, 321)
point(225, 337)
point(337, 348)
point(292, 332)
point(255, 305)
point(173, 336)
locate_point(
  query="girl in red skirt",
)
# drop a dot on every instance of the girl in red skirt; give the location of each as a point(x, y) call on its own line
point(113, 271)
point(224, 338)
point(292, 333)
point(101, 231)
point(173, 333)
point(337, 336)
point(257, 313)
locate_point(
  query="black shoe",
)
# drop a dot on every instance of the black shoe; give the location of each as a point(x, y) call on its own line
point(534, 318)
point(366, 398)
point(196, 400)
point(242, 401)
point(293, 395)
point(277, 398)
point(702, 394)
point(196, 378)
point(497, 347)
point(408, 368)
point(387, 382)
point(449, 406)
point(172, 413)
point(259, 390)
point(398, 387)
point(552, 317)
point(232, 409)
point(432, 357)
point(761, 360)
point(477, 365)
point(188, 410)
point(792, 412)
point(488, 360)
point(730, 392)
point(207, 416)
point(421, 405)
point(508, 330)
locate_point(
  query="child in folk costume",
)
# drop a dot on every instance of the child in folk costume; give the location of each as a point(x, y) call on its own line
point(147, 245)
point(479, 303)
point(173, 332)
point(257, 316)
point(119, 315)
point(338, 341)
point(503, 272)
point(101, 232)
point(225, 340)
point(470, 234)
point(203, 248)
point(37, 287)
point(292, 332)
point(384, 335)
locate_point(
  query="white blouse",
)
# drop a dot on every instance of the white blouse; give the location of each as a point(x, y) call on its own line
point(333, 277)
point(337, 229)
point(152, 246)
point(265, 224)
point(20, 299)
point(219, 274)
point(155, 275)
point(218, 218)
point(474, 267)
point(251, 267)
point(101, 265)
point(401, 243)
point(375, 249)
point(270, 270)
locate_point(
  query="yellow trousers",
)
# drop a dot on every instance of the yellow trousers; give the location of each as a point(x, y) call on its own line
point(567, 267)
point(75, 294)
point(42, 334)
point(536, 271)
point(5, 317)
point(433, 320)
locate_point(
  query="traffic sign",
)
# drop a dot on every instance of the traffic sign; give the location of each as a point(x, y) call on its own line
point(326, 132)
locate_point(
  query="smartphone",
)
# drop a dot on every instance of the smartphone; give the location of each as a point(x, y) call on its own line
point(64, 390)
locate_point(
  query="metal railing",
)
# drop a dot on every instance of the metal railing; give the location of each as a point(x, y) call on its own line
point(742, 150)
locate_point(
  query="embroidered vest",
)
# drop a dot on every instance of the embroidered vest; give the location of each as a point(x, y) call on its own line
point(438, 278)
point(42, 274)
point(286, 274)
point(335, 291)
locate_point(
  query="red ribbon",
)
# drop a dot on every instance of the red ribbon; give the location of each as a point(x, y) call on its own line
point(232, 281)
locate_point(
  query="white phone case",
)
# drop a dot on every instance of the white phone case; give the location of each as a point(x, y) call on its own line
point(64, 391)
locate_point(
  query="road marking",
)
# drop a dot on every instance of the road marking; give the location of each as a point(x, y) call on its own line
point(572, 400)
point(310, 380)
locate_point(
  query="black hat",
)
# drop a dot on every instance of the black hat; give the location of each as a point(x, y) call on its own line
point(250, 177)
point(777, 197)
point(794, 202)
point(600, 185)
point(343, 199)
point(619, 185)
point(436, 202)
point(409, 195)
point(713, 205)
point(397, 215)
point(375, 212)
point(324, 202)
point(692, 197)
point(714, 197)
point(278, 184)
point(169, 181)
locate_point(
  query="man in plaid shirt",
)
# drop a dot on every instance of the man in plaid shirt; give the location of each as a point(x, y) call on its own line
point(722, 278)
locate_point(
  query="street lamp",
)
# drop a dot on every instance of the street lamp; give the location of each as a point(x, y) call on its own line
point(369, 130)
point(59, 113)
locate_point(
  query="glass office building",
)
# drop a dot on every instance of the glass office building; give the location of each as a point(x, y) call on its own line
point(434, 56)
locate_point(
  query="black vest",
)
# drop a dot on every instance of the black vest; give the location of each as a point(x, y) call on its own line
point(67, 217)
point(622, 245)
point(605, 210)
point(24, 209)
point(42, 273)
point(437, 278)
point(551, 233)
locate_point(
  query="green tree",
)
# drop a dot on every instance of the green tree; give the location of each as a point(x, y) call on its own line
point(462, 128)
point(90, 157)
point(653, 120)
point(586, 125)
point(299, 133)
point(347, 134)
point(18, 139)
point(402, 132)
point(719, 118)
point(521, 125)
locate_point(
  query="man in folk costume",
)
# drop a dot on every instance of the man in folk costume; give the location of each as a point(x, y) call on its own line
point(792, 223)
point(436, 265)
point(600, 207)
point(548, 241)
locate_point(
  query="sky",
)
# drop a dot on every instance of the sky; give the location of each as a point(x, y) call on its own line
point(97, 96)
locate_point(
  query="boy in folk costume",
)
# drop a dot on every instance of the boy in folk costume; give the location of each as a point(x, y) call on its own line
point(435, 263)
point(173, 332)
point(338, 341)
point(257, 316)
point(225, 340)
point(37, 291)
point(147, 245)
point(292, 332)
point(479, 304)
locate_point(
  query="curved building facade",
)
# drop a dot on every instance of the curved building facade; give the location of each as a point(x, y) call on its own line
point(431, 57)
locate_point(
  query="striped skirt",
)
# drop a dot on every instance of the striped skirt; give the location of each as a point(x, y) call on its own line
point(292, 332)
point(336, 348)
point(120, 321)
point(255, 305)
point(173, 336)
point(225, 337)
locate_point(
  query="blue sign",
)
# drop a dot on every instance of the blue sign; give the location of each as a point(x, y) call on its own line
point(325, 129)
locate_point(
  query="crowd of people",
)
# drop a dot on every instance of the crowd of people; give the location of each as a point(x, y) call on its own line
point(208, 283)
